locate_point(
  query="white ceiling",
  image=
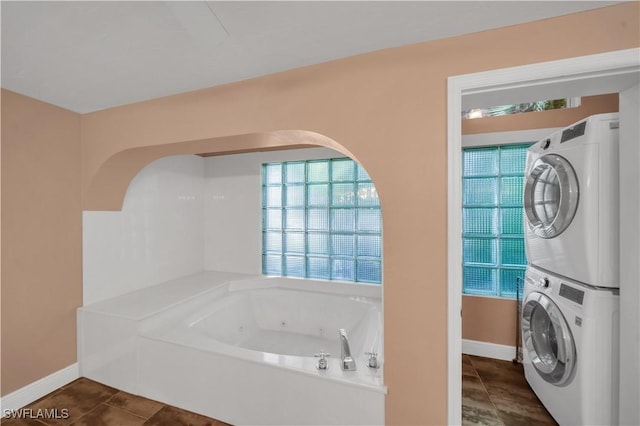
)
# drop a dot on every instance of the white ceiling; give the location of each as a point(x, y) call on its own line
point(87, 56)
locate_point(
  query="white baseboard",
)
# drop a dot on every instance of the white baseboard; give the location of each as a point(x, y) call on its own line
point(488, 350)
point(38, 389)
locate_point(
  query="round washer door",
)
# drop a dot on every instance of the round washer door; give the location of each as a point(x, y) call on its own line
point(550, 196)
point(547, 339)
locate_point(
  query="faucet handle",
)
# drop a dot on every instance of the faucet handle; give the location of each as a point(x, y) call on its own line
point(373, 359)
point(322, 362)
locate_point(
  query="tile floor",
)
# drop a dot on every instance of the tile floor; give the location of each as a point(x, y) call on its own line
point(93, 404)
point(495, 392)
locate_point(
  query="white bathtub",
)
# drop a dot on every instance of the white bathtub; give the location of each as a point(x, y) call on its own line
point(241, 349)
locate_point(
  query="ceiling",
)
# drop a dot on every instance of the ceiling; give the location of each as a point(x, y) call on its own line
point(91, 55)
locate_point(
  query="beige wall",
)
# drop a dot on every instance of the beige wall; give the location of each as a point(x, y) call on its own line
point(489, 319)
point(387, 109)
point(41, 239)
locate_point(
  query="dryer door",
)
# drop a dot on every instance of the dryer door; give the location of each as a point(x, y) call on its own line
point(550, 196)
point(547, 339)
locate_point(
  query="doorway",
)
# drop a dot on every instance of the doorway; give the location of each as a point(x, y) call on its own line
point(609, 72)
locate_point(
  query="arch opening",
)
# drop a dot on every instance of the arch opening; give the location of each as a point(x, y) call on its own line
point(105, 189)
point(172, 210)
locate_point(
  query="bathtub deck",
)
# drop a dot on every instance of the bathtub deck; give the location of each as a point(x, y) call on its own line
point(148, 301)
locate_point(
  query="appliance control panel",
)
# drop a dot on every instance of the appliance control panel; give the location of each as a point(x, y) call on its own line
point(571, 293)
point(573, 131)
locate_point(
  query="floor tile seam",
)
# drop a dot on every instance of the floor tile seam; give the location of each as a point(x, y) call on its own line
point(495, 408)
point(154, 414)
point(108, 400)
point(472, 366)
point(181, 411)
point(498, 412)
point(129, 411)
point(494, 416)
point(514, 401)
point(491, 406)
point(86, 414)
point(475, 370)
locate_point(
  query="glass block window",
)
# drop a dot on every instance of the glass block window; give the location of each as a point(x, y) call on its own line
point(492, 219)
point(321, 219)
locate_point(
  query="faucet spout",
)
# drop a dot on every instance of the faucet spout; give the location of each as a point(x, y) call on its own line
point(347, 362)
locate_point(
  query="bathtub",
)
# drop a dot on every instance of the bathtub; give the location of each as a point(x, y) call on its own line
point(241, 348)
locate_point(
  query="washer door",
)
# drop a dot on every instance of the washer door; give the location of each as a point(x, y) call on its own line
point(547, 339)
point(550, 196)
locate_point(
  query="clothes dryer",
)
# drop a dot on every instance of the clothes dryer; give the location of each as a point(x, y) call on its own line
point(570, 348)
point(571, 202)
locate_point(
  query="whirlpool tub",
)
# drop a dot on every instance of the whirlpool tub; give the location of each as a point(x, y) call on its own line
point(242, 348)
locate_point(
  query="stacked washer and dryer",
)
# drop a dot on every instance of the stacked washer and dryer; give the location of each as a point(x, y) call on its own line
point(570, 309)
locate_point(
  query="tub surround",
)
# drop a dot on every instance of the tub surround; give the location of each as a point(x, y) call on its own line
point(169, 342)
point(143, 275)
point(181, 214)
point(107, 330)
point(157, 236)
point(151, 300)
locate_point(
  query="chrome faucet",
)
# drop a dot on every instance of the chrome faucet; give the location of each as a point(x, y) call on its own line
point(347, 363)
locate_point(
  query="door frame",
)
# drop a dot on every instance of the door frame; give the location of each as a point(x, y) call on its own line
point(580, 76)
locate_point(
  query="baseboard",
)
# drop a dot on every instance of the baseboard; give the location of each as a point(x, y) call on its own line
point(489, 350)
point(38, 389)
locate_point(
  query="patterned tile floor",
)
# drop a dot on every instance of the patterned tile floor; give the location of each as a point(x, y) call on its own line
point(93, 404)
point(495, 392)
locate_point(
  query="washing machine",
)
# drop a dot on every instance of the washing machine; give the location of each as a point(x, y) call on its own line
point(571, 202)
point(570, 348)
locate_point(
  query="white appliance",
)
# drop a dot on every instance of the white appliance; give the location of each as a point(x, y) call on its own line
point(570, 348)
point(571, 202)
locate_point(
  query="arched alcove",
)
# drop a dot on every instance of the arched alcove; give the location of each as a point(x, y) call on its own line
point(181, 216)
point(154, 179)
point(107, 188)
